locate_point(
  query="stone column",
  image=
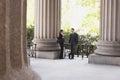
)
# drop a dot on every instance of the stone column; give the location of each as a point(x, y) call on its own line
point(47, 26)
point(108, 51)
point(13, 56)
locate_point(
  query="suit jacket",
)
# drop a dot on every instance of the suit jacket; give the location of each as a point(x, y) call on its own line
point(73, 38)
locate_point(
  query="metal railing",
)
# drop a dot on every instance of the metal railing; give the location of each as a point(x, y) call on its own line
point(81, 49)
point(31, 50)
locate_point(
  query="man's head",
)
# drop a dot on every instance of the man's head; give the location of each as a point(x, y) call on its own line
point(72, 30)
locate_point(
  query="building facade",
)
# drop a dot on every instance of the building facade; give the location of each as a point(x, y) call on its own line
point(14, 64)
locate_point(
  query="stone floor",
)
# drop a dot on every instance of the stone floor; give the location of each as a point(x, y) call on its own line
point(76, 69)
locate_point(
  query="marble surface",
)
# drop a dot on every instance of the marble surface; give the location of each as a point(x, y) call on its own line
point(76, 69)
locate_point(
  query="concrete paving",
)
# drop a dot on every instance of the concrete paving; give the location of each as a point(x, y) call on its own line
point(76, 69)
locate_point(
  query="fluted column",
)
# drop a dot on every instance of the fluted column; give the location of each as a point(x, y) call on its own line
point(47, 25)
point(13, 56)
point(109, 43)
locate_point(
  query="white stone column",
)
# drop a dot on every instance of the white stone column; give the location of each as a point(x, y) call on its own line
point(108, 49)
point(47, 26)
point(13, 55)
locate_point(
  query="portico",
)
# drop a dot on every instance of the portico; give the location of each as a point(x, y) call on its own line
point(47, 25)
point(14, 64)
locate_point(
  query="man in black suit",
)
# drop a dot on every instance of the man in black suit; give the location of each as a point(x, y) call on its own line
point(73, 40)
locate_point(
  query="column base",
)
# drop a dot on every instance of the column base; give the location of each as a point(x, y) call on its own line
point(101, 59)
point(23, 74)
point(48, 54)
point(47, 48)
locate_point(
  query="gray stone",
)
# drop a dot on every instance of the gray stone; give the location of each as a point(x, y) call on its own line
point(13, 57)
point(47, 26)
point(100, 59)
point(48, 54)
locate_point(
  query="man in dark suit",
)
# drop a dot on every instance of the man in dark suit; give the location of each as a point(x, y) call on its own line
point(73, 40)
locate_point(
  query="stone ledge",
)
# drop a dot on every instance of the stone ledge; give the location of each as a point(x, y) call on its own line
point(100, 59)
point(48, 54)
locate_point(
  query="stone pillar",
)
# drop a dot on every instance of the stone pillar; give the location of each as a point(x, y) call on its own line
point(108, 49)
point(13, 56)
point(47, 26)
